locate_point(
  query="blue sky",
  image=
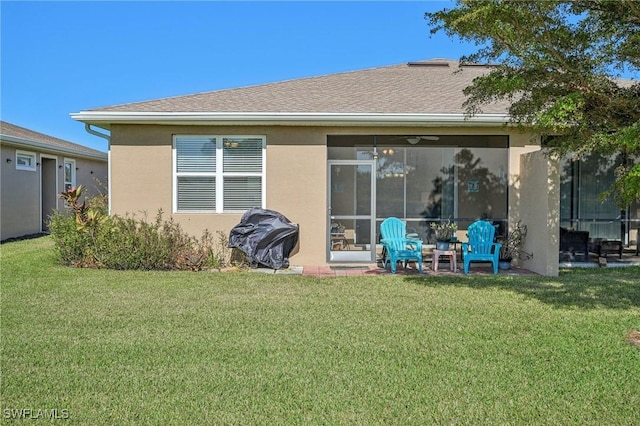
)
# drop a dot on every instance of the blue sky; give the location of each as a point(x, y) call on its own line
point(64, 57)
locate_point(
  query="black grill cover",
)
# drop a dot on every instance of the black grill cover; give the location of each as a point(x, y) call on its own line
point(266, 237)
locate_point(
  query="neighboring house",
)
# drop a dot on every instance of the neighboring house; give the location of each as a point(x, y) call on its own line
point(35, 169)
point(336, 154)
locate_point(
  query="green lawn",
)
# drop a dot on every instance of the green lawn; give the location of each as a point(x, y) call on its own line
point(111, 347)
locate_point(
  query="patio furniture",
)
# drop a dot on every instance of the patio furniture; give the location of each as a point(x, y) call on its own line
point(574, 244)
point(436, 258)
point(480, 247)
point(339, 239)
point(396, 246)
point(602, 247)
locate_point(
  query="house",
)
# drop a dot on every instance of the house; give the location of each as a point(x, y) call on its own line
point(35, 168)
point(336, 154)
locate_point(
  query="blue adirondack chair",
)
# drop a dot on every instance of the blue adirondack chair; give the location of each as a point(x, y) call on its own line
point(480, 247)
point(396, 246)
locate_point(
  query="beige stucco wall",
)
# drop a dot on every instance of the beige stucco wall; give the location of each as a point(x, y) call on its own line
point(296, 174)
point(21, 206)
point(141, 179)
point(540, 211)
point(521, 144)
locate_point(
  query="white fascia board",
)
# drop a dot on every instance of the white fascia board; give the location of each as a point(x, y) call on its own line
point(105, 118)
point(19, 142)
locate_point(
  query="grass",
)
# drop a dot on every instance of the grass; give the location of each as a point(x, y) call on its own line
point(114, 347)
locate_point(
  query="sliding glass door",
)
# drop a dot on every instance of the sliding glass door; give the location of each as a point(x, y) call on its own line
point(582, 207)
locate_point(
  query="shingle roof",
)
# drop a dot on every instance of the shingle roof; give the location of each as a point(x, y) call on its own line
point(421, 87)
point(21, 134)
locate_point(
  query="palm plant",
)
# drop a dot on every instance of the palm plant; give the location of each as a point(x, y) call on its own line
point(512, 245)
point(443, 231)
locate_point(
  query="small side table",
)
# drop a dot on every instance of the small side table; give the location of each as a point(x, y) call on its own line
point(452, 259)
point(339, 241)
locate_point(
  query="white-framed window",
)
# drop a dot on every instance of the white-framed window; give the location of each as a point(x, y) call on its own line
point(69, 174)
point(26, 160)
point(218, 173)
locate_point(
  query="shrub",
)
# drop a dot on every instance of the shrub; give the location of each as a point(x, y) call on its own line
point(131, 243)
point(70, 243)
point(74, 231)
point(86, 236)
point(216, 250)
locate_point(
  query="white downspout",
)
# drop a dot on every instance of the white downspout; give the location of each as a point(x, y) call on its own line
point(88, 129)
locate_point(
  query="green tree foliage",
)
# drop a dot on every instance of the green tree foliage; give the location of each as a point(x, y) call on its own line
point(558, 63)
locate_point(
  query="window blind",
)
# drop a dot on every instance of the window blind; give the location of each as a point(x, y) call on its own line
point(242, 155)
point(196, 155)
point(242, 192)
point(218, 173)
point(196, 193)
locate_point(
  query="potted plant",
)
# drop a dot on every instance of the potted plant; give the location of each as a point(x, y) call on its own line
point(512, 246)
point(443, 232)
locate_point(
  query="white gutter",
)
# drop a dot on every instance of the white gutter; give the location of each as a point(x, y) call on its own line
point(105, 118)
point(88, 129)
point(47, 147)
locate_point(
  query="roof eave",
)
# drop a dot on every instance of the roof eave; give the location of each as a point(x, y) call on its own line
point(104, 119)
point(27, 143)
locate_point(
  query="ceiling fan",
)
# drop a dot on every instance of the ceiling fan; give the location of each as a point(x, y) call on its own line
point(415, 139)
